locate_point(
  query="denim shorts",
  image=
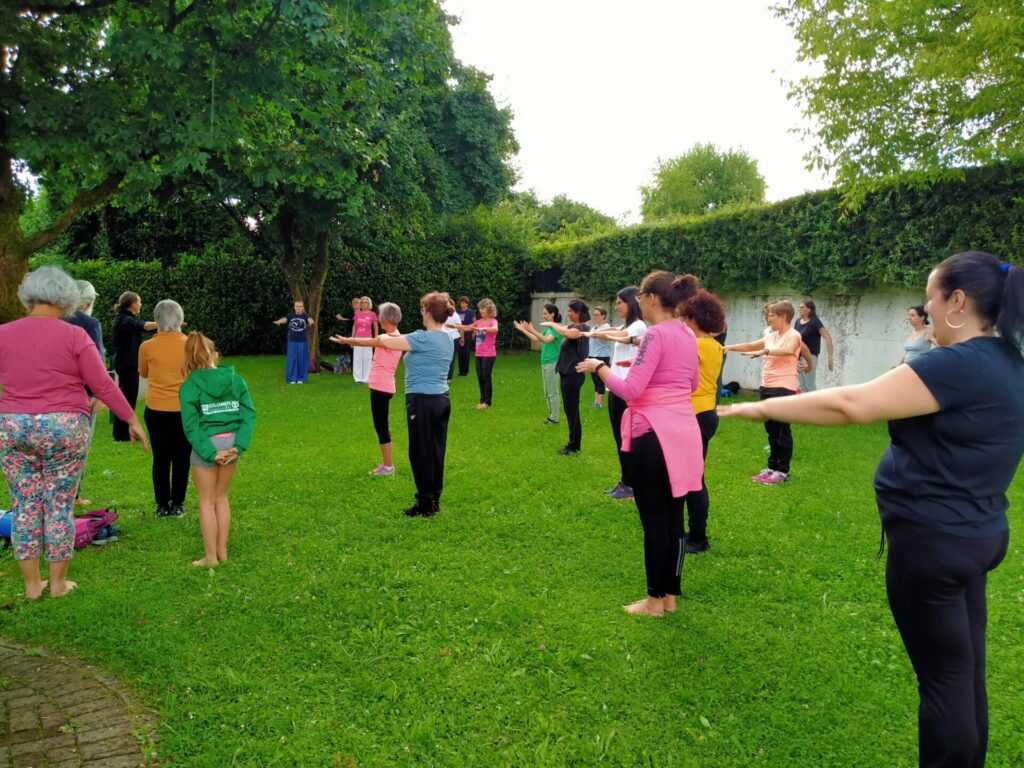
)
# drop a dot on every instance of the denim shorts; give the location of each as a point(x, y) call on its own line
point(221, 443)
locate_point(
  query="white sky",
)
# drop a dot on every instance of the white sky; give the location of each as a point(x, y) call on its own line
point(601, 90)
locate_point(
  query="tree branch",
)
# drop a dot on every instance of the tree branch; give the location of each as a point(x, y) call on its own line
point(61, 9)
point(174, 18)
point(83, 201)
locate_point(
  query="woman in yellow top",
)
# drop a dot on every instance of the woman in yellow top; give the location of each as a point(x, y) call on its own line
point(704, 314)
point(160, 361)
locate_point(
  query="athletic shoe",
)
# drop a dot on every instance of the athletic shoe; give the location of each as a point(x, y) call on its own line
point(596, 405)
point(376, 470)
point(761, 476)
point(613, 489)
point(100, 538)
point(695, 548)
point(622, 493)
point(414, 511)
point(432, 509)
point(177, 510)
point(111, 533)
point(546, 422)
point(383, 471)
point(775, 478)
point(567, 451)
point(162, 510)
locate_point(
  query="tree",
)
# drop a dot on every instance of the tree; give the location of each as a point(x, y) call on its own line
point(378, 127)
point(700, 181)
point(99, 97)
point(913, 88)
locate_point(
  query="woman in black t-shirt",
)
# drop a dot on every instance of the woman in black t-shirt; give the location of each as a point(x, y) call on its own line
point(812, 331)
point(956, 420)
point(574, 350)
point(126, 338)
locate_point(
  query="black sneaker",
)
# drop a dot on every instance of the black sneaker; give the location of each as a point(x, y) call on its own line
point(177, 510)
point(162, 510)
point(547, 422)
point(414, 511)
point(432, 509)
point(567, 451)
point(111, 532)
point(695, 548)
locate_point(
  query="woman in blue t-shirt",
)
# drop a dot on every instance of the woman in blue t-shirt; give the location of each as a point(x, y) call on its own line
point(427, 407)
point(956, 422)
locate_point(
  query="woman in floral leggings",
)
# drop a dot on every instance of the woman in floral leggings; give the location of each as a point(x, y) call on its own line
point(45, 365)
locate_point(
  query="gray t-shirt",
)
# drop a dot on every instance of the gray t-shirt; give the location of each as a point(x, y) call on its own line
point(426, 365)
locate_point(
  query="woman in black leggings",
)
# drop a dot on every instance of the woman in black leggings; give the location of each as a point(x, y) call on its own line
point(956, 419)
point(575, 346)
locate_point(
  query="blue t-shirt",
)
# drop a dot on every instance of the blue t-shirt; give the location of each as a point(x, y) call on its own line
point(950, 470)
point(426, 365)
point(298, 325)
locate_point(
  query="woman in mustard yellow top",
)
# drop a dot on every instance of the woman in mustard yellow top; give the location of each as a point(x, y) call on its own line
point(160, 361)
point(704, 314)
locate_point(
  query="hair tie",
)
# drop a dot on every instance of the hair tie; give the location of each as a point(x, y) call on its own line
point(1004, 267)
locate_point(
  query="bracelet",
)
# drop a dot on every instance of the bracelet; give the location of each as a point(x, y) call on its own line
point(600, 365)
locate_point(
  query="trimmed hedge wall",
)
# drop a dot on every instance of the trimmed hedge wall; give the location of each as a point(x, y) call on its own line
point(809, 243)
point(233, 297)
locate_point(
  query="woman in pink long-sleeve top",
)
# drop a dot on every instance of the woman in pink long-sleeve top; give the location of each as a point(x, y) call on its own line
point(45, 366)
point(660, 434)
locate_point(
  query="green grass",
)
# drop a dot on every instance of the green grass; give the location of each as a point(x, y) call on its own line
point(343, 633)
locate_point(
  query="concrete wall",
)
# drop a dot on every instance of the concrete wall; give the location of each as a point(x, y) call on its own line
point(869, 330)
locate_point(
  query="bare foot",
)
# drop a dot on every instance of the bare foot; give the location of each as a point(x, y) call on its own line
point(650, 606)
point(82, 502)
point(669, 601)
point(35, 594)
point(222, 558)
point(68, 586)
point(205, 563)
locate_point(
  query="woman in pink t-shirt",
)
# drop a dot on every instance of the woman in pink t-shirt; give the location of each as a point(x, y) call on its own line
point(660, 434)
point(364, 326)
point(45, 366)
point(780, 347)
point(381, 381)
point(485, 337)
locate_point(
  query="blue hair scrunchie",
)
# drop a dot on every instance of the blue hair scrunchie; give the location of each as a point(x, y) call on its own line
point(1004, 267)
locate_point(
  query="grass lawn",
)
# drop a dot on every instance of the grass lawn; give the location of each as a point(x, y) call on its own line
point(342, 633)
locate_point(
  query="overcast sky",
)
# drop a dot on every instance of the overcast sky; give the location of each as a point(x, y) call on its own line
point(602, 90)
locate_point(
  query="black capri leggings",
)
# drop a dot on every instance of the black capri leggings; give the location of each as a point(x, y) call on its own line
point(661, 515)
point(380, 402)
point(697, 502)
point(936, 587)
point(484, 369)
point(598, 381)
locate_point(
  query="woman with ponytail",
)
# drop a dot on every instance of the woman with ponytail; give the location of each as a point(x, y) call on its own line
point(956, 419)
point(660, 435)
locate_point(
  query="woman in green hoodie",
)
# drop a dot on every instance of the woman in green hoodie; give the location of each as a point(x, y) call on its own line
point(217, 415)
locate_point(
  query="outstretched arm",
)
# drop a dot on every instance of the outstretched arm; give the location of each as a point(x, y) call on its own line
point(394, 342)
point(568, 331)
point(898, 394)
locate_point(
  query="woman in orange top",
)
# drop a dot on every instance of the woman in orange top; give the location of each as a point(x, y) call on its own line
point(780, 348)
point(160, 361)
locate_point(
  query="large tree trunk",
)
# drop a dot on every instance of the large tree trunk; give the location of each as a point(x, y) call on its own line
point(13, 264)
point(316, 291)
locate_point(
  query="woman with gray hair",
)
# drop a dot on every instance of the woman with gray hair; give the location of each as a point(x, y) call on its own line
point(45, 366)
point(83, 318)
point(127, 338)
point(381, 381)
point(160, 363)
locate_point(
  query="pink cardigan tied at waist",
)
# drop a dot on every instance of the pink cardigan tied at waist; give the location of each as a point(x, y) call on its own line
point(670, 414)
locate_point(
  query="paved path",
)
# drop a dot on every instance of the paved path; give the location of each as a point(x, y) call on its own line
point(57, 712)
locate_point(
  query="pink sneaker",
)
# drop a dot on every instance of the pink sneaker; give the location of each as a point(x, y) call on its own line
point(761, 476)
point(774, 478)
point(376, 470)
point(383, 471)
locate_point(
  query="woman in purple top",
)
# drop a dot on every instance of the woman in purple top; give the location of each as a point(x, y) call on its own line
point(45, 366)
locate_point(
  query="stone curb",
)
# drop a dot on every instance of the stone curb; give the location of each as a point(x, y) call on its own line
point(56, 712)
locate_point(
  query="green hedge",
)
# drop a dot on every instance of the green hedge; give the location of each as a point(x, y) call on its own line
point(233, 297)
point(809, 242)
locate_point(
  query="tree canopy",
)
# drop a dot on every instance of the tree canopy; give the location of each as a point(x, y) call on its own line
point(912, 88)
point(700, 181)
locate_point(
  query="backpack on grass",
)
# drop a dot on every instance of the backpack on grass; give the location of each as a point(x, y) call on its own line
point(89, 524)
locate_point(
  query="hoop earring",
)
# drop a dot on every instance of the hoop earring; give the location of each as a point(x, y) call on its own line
point(956, 327)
